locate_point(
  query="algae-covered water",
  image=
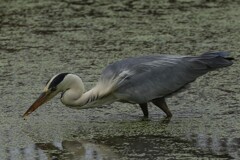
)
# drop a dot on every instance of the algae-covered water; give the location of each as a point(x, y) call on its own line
point(39, 39)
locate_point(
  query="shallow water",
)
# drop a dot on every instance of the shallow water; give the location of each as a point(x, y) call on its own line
point(132, 147)
point(41, 39)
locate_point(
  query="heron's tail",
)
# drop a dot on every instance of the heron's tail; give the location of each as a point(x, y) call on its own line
point(216, 60)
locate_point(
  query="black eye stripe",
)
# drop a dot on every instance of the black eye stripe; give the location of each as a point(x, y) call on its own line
point(58, 79)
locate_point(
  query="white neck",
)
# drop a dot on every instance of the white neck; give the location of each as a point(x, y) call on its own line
point(87, 97)
point(73, 93)
point(75, 97)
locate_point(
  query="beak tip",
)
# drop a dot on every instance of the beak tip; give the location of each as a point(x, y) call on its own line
point(42, 99)
point(24, 116)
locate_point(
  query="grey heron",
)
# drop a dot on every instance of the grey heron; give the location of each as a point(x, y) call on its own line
point(137, 80)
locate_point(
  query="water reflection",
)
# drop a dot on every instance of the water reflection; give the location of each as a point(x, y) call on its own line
point(193, 146)
point(223, 147)
point(77, 150)
point(134, 147)
point(65, 150)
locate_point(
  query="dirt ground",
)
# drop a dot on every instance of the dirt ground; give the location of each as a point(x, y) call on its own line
point(39, 39)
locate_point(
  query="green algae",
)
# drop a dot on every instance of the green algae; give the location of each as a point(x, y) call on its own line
point(40, 39)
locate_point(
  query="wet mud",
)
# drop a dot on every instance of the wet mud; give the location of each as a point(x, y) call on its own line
point(39, 39)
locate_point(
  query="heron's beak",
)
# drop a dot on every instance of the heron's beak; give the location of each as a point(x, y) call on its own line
point(44, 97)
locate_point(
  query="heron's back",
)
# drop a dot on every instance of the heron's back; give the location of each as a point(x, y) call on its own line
point(141, 79)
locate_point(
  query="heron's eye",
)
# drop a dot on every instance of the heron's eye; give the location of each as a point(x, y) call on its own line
point(53, 88)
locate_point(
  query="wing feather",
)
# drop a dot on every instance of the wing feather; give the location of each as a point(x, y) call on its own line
point(141, 79)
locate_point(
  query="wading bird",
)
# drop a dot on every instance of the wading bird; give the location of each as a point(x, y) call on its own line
point(136, 80)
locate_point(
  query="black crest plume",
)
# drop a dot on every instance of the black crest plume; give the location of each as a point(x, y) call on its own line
point(58, 79)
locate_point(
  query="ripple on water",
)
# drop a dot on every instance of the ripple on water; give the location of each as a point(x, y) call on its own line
point(133, 147)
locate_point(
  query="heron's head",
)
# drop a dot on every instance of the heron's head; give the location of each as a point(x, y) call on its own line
point(58, 83)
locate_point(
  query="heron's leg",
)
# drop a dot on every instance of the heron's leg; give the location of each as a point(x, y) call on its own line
point(144, 108)
point(160, 102)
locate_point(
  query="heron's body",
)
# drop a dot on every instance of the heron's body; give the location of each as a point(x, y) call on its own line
point(139, 80)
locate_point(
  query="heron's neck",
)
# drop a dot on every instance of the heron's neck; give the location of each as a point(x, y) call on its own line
point(87, 97)
point(74, 97)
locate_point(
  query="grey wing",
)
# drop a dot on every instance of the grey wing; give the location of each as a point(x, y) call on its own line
point(142, 79)
point(158, 78)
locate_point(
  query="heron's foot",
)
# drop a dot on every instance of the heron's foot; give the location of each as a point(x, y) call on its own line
point(169, 115)
point(160, 102)
point(165, 120)
point(144, 118)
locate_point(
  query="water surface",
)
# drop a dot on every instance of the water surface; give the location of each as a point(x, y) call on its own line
point(41, 39)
